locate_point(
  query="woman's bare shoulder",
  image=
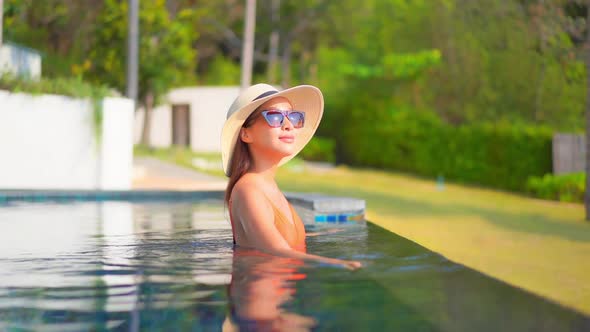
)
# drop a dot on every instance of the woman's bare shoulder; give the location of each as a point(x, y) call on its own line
point(247, 184)
point(248, 189)
point(249, 202)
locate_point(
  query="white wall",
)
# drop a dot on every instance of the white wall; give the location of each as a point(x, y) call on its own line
point(208, 107)
point(117, 144)
point(49, 142)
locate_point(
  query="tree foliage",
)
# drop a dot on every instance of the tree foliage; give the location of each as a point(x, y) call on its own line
point(465, 63)
point(166, 54)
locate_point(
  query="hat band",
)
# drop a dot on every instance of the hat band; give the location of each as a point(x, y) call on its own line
point(266, 94)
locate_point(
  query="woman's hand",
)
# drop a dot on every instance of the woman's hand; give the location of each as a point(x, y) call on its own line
point(349, 265)
point(352, 265)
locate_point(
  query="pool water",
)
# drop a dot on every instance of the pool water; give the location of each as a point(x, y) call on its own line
point(170, 266)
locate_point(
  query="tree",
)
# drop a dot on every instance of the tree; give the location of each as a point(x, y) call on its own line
point(166, 54)
point(587, 197)
point(60, 29)
point(1, 17)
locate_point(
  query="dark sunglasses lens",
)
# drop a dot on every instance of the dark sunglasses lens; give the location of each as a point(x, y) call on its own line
point(274, 119)
point(297, 119)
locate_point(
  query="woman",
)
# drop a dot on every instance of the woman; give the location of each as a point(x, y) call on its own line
point(261, 289)
point(264, 129)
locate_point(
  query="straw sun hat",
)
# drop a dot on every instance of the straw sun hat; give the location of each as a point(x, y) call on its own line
point(304, 98)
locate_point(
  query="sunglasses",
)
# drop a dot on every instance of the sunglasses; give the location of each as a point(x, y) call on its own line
point(276, 118)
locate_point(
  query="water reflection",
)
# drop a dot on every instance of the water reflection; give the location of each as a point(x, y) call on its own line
point(260, 287)
point(121, 266)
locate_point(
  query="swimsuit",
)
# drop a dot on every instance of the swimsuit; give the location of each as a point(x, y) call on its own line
point(293, 233)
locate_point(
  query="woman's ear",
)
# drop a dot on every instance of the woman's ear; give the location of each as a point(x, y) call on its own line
point(244, 136)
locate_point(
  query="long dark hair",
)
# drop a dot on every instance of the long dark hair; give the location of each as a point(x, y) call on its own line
point(241, 160)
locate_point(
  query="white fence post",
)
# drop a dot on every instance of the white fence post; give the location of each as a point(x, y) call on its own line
point(568, 153)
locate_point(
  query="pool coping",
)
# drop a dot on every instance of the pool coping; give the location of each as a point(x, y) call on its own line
point(15, 195)
point(325, 208)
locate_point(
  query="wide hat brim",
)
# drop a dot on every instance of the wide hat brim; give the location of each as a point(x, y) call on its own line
point(305, 98)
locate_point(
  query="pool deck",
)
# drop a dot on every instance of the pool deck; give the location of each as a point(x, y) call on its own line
point(154, 174)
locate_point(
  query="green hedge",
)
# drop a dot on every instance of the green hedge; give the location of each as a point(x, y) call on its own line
point(319, 149)
point(496, 155)
point(565, 188)
point(67, 86)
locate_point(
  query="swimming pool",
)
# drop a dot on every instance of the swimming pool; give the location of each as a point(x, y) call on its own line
point(168, 265)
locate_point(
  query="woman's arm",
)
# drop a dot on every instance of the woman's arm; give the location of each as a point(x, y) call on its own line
point(255, 213)
point(329, 231)
point(290, 253)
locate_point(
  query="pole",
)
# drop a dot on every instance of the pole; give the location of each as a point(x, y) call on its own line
point(273, 52)
point(1, 17)
point(587, 196)
point(132, 49)
point(248, 45)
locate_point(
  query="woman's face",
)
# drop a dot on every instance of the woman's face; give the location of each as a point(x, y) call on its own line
point(276, 142)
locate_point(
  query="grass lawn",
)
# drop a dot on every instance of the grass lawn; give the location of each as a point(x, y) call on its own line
point(540, 246)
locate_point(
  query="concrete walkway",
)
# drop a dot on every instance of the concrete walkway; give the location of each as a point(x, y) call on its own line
point(153, 174)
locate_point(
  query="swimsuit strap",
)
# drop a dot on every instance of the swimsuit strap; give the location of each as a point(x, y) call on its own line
point(295, 224)
point(281, 214)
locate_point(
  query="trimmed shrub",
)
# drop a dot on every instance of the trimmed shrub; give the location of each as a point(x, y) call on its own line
point(496, 155)
point(319, 149)
point(73, 87)
point(565, 188)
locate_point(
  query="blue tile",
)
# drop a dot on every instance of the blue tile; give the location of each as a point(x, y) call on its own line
point(320, 218)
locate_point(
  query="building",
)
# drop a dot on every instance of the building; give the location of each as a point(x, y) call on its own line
point(20, 61)
point(190, 116)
